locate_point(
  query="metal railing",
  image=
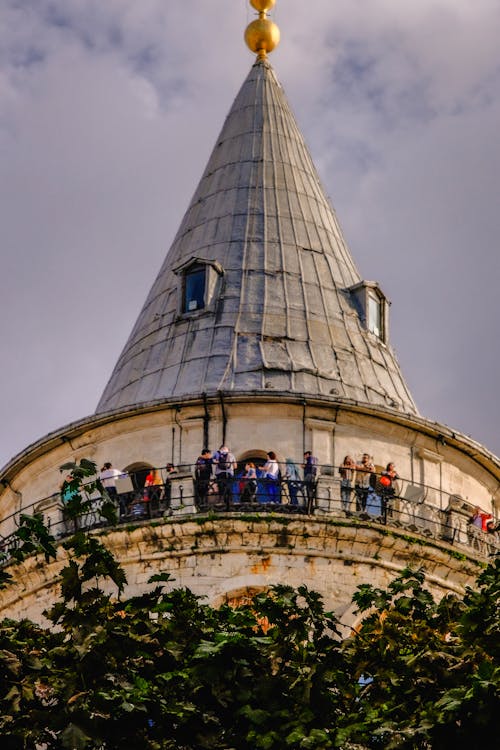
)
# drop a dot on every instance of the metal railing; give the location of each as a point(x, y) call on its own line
point(417, 508)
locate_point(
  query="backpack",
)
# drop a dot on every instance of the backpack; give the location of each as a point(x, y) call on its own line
point(223, 462)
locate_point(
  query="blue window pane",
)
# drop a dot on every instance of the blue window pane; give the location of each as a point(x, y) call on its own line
point(194, 290)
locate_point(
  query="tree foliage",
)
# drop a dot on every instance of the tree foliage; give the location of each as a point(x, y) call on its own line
point(78, 492)
point(164, 670)
point(428, 672)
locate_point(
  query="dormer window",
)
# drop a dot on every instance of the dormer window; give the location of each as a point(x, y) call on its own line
point(198, 284)
point(374, 317)
point(194, 289)
point(373, 308)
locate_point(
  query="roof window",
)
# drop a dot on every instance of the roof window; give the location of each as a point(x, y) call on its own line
point(193, 297)
point(198, 285)
point(373, 308)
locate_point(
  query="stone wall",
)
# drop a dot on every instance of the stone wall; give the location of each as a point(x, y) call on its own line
point(174, 433)
point(221, 558)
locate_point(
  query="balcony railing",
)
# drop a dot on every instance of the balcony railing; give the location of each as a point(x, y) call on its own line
point(417, 508)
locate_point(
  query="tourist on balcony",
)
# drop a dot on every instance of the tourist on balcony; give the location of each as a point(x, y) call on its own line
point(386, 486)
point(271, 472)
point(249, 483)
point(364, 470)
point(203, 475)
point(310, 467)
point(225, 464)
point(480, 519)
point(491, 526)
point(374, 503)
point(108, 477)
point(68, 489)
point(170, 469)
point(137, 507)
point(293, 481)
point(153, 490)
point(391, 473)
point(69, 492)
point(153, 479)
point(346, 471)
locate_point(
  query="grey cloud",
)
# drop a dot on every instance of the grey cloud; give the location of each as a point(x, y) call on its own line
point(107, 116)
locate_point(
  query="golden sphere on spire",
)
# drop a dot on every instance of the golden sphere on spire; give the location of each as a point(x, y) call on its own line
point(263, 5)
point(262, 36)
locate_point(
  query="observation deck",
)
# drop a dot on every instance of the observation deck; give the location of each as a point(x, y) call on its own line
point(422, 511)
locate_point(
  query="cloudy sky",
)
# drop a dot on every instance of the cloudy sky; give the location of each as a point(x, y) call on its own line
point(109, 111)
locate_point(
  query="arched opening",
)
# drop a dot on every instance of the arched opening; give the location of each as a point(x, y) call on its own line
point(255, 455)
point(138, 472)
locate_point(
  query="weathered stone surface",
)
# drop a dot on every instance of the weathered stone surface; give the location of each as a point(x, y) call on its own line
point(217, 558)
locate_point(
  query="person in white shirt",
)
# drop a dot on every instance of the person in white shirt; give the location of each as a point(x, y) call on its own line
point(108, 477)
point(271, 469)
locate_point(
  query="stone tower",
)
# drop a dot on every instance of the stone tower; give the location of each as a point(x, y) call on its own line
point(260, 332)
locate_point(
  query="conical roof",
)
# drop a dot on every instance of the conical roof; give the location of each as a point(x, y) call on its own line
point(280, 309)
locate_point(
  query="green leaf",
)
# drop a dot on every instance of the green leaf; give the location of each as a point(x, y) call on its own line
point(74, 738)
point(160, 577)
point(5, 579)
point(10, 662)
point(71, 585)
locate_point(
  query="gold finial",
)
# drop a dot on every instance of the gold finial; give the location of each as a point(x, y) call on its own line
point(263, 5)
point(262, 35)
